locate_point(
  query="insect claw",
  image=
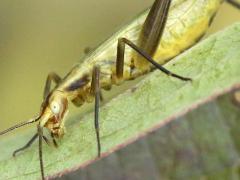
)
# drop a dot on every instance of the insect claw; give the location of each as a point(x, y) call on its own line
point(14, 154)
point(179, 77)
point(187, 79)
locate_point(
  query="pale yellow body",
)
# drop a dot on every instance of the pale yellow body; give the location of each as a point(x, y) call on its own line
point(187, 22)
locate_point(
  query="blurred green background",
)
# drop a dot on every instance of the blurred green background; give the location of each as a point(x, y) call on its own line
point(37, 37)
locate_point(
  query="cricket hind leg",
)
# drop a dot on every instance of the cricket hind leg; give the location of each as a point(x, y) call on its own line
point(95, 91)
point(148, 41)
point(234, 3)
point(153, 27)
point(120, 60)
point(51, 77)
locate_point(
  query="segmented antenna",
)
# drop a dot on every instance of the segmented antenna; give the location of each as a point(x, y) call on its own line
point(20, 125)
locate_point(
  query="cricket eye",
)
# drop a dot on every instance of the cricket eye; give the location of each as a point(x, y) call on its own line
point(55, 107)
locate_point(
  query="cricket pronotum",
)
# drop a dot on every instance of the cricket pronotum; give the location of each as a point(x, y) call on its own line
point(154, 38)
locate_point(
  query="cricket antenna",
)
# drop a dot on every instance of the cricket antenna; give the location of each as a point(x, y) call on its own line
point(20, 125)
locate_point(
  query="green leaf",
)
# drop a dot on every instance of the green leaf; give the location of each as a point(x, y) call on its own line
point(203, 144)
point(214, 65)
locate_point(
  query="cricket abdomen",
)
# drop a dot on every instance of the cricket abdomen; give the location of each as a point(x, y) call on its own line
point(187, 23)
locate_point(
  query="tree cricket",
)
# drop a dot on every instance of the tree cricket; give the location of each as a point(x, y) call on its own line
point(153, 39)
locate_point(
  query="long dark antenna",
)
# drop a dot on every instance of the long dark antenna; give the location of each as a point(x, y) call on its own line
point(20, 125)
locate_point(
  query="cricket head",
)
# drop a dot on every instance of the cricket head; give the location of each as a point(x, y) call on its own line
point(53, 110)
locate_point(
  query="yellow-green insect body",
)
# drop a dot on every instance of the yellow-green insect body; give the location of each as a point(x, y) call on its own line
point(187, 22)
